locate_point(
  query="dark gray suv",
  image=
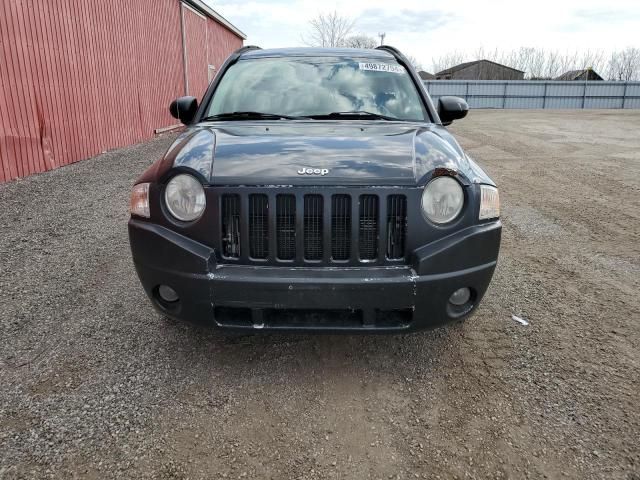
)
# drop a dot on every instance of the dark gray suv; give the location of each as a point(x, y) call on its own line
point(316, 190)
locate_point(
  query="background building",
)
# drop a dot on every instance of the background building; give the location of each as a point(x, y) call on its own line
point(78, 77)
point(584, 74)
point(480, 70)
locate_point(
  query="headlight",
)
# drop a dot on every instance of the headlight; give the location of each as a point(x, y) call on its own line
point(184, 197)
point(442, 199)
point(139, 204)
point(489, 202)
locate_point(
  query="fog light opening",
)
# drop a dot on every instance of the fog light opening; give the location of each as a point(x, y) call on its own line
point(460, 297)
point(167, 294)
point(461, 302)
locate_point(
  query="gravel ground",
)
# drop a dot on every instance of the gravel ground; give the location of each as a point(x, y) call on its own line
point(95, 384)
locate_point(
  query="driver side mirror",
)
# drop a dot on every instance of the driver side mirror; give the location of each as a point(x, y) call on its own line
point(184, 109)
point(452, 108)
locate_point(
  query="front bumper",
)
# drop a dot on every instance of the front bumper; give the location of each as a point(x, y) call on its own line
point(351, 299)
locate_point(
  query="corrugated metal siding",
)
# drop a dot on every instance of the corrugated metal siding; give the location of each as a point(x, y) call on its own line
point(538, 94)
point(78, 77)
point(195, 37)
point(207, 44)
point(220, 42)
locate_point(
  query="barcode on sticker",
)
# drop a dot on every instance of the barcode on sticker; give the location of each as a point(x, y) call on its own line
point(381, 67)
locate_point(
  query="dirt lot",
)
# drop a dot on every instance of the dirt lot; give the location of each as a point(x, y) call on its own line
point(95, 384)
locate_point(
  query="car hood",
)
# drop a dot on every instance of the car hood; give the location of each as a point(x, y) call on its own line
point(317, 153)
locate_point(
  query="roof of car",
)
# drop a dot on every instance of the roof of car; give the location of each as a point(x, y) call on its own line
point(318, 52)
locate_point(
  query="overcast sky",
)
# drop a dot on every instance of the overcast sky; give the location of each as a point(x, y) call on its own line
point(428, 29)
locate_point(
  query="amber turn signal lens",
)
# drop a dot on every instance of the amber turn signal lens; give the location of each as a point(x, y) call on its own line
point(489, 202)
point(140, 200)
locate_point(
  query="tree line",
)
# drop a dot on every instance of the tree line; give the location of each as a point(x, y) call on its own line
point(542, 63)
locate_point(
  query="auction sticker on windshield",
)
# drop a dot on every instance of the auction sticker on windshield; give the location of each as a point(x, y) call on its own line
point(381, 67)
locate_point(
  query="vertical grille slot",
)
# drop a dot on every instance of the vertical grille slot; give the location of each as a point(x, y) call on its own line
point(396, 226)
point(368, 228)
point(231, 226)
point(286, 226)
point(340, 227)
point(258, 226)
point(313, 207)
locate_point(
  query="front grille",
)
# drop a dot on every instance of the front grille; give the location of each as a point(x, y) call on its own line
point(334, 227)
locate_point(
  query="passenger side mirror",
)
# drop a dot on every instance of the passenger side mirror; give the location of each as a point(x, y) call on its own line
point(452, 108)
point(184, 109)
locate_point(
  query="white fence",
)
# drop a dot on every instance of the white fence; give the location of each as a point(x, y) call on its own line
point(538, 94)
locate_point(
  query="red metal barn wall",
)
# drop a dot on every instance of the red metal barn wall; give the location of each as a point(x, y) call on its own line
point(207, 45)
point(195, 44)
point(220, 42)
point(78, 77)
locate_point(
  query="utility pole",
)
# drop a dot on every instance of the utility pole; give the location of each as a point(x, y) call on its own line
point(382, 35)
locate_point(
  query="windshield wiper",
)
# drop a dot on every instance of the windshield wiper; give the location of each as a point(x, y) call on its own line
point(357, 114)
point(248, 116)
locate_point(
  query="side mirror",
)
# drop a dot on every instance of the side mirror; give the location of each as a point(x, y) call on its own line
point(452, 108)
point(184, 109)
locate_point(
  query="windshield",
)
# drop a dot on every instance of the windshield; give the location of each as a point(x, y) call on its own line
point(312, 86)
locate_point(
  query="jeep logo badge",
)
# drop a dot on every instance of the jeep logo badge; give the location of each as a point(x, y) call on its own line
point(313, 171)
